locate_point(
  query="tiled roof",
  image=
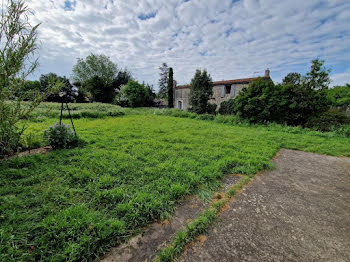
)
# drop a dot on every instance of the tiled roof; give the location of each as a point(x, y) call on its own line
point(227, 82)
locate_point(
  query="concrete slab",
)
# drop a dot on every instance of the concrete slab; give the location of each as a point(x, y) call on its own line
point(300, 211)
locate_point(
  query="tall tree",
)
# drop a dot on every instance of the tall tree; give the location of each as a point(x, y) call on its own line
point(95, 65)
point(163, 81)
point(18, 44)
point(171, 88)
point(200, 92)
point(318, 77)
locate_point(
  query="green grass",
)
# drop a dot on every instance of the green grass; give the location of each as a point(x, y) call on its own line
point(72, 205)
point(78, 110)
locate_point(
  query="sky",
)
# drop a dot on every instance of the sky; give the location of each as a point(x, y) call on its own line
point(230, 39)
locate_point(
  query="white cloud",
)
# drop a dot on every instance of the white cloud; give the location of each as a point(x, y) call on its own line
point(232, 39)
point(341, 78)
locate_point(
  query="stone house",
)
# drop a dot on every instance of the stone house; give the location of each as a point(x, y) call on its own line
point(222, 91)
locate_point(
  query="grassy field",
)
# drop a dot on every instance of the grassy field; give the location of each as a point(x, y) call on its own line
point(72, 205)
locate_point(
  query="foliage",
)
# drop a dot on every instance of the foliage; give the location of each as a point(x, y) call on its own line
point(339, 96)
point(98, 78)
point(292, 79)
point(318, 77)
point(171, 88)
point(200, 92)
point(227, 107)
point(329, 120)
point(73, 205)
point(163, 81)
point(123, 77)
point(295, 105)
point(100, 91)
point(211, 108)
point(60, 136)
point(95, 65)
point(135, 94)
point(18, 40)
point(67, 87)
point(288, 103)
point(29, 87)
point(257, 103)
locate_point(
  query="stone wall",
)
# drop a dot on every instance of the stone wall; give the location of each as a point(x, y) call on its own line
point(182, 98)
point(219, 95)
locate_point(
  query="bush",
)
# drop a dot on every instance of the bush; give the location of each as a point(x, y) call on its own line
point(135, 94)
point(227, 107)
point(263, 102)
point(329, 120)
point(206, 117)
point(61, 136)
point(211, 108)
point(10, 137)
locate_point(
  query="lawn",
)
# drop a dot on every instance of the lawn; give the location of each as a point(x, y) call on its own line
point(72, 205)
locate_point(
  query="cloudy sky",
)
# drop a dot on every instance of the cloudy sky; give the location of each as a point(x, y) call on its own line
point(231, 39)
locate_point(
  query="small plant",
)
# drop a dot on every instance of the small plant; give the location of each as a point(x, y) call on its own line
point(61, 136)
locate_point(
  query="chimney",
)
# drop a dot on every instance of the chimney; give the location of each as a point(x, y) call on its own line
point(267, 72)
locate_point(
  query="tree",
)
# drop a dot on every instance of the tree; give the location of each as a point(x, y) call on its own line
point(99, 90)
point(134, 94)
point(67, 87)
point(123, 77)
point(171, 89)
point(95, 65)
point(257, 103)
point(163, 81)
point(263, 102)
point(318, 77)
point(292, 78)
point(339, 96)
point(99, 78)
point(18, 44)
point(149, 97)
point(201, 91)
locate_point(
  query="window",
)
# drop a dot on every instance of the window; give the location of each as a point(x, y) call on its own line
point(227, 90)
point(179, 104)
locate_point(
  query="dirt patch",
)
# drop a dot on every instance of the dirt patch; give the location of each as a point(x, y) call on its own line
point(297, 212)
point(41, 150)
point(144, 247)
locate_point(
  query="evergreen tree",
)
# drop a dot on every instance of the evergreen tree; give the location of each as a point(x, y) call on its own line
point(318, 77)
point(201, 91)
point(171, 89)
point(163, 81)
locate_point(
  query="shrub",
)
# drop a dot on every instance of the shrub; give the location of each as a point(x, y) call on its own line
point(227, 107)
point(329, 120)
point(211, 108)
point(206, 117)
point(263, 102)
point(61, 136)
point(135, 94)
